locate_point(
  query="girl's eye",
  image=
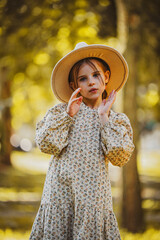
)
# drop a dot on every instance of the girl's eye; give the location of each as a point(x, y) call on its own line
point(96, 75)
point(82, 79)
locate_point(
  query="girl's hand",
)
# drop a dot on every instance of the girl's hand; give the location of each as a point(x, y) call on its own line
point(105, 107)
point(74, 103)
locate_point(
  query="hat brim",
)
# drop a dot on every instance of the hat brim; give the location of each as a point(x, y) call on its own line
point(115, 60)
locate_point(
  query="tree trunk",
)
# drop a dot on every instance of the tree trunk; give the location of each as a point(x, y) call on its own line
point(132, 217)
point(131, 208)
point(5, 118)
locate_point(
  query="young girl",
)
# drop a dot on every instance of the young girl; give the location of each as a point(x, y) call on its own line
point(83, 134)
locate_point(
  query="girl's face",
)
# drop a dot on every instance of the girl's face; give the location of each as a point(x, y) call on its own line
point(92, 82)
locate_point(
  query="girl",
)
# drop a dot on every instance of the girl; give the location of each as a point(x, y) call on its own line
point(83, 134)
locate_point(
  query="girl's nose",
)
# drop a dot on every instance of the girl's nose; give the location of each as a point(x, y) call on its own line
point(91, 81)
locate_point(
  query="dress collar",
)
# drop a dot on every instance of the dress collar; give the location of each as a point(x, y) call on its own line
point(89, 109)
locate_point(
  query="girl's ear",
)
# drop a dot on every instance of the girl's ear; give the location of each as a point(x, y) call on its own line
point(107, 75)
point(72, 85)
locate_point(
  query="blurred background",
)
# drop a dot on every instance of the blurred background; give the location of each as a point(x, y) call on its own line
point(34, 35)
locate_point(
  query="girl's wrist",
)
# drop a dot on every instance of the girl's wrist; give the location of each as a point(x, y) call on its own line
point(103, 118)
point(71, 115)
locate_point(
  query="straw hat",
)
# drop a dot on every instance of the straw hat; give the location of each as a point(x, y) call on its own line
point(115, 60)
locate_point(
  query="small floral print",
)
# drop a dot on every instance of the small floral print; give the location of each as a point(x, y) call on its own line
point(76, 202)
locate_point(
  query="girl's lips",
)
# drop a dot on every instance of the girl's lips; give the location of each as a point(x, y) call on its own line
point(93, 90)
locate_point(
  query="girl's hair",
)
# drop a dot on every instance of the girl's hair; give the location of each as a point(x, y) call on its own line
point(76, 67)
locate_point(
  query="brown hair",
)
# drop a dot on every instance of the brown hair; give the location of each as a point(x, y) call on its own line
point(75, 70)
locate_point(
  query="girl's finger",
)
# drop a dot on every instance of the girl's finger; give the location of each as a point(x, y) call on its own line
point(112, 94)
point(76, 99)
point(104, 101)
point(74, 94)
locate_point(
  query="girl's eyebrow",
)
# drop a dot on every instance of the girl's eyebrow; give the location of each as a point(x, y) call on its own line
point(85, 75)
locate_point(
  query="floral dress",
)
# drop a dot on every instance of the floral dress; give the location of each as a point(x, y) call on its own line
point(76, 202)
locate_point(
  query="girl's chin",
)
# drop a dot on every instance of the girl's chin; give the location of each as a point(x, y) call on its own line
point(92, 97)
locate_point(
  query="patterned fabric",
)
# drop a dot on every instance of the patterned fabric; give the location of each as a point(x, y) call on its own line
point(76, 202)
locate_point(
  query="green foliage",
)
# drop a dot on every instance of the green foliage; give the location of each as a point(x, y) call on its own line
point(34, 36)
point(150, 234)
point(145, 16)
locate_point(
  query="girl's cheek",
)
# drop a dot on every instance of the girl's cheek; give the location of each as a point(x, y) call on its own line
point(101, 80)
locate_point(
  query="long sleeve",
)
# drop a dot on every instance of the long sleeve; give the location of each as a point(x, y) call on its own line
point(52, 131)
point(117, 140)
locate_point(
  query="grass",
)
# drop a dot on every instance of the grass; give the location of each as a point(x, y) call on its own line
point(149, 234)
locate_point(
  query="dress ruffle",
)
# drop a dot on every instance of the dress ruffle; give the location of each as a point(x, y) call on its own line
point(81, 223)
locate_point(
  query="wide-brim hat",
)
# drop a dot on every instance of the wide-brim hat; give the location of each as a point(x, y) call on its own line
point(115, 60)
